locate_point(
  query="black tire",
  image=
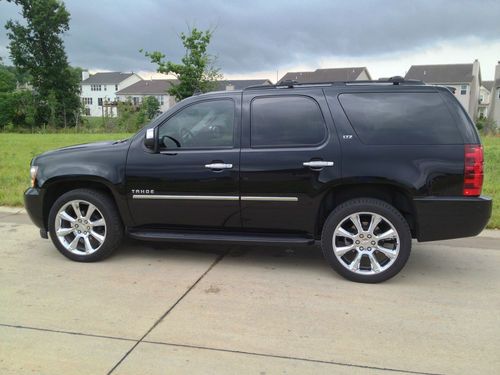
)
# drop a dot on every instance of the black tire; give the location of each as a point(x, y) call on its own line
point(376, 206)
point(109, 211)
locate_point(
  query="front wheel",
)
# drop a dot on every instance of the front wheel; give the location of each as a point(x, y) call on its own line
point(84, 225)
point(366, 240)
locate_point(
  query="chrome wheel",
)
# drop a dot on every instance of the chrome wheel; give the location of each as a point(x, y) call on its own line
point(80, 227)
point(366, 243)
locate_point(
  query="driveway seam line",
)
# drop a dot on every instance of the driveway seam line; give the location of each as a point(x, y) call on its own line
point(11, 214)
point(288, 357)
point(65, 332)
point(214, 263)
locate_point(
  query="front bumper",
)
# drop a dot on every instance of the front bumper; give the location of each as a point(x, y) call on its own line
point(441, 218)
point(33, 202)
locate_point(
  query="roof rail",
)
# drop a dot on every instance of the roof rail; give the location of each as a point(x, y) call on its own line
point(396, 80)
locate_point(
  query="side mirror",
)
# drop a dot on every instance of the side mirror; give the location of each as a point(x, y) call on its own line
point(150, 139)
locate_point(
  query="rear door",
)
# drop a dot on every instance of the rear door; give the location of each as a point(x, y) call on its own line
point(289, 154)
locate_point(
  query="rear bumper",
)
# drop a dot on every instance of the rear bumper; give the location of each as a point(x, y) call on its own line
point(441, 218)
point(33, 202)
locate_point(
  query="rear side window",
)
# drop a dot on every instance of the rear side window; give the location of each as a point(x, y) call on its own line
point(286, 121)
point(400, 118)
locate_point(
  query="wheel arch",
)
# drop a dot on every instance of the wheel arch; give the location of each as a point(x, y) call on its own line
point(397, 196)
point(55, 187)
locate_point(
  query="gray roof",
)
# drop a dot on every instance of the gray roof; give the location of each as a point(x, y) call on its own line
point(240, 84)
point(446, 73)
point(110, 78)
point(148, 87)
point(487, 84)
point(326, 75)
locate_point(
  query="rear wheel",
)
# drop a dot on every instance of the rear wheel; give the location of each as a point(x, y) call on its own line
point(366, 240)
point(84, 225)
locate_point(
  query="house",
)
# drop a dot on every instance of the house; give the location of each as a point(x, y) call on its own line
point(159, 89)
point(98, 91)
point(328, 75)
point(152, 87)
point(494, 109)
point(465, 79)
point(240, 84)
point(484, 98)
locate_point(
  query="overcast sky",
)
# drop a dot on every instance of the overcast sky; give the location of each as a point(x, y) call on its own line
point(256, 38)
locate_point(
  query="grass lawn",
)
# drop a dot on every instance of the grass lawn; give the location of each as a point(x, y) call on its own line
point(16, 151)
point(491, 185)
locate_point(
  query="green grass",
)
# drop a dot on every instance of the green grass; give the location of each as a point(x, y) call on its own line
point(16, 151)
point(491, 185)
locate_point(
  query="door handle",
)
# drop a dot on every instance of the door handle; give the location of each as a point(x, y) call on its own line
point(318, 164)
point(219, 166)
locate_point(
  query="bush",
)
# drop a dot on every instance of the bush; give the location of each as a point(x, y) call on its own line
point(487, 126)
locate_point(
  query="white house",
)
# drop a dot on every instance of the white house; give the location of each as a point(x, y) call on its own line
point(465, 79)
point(153, 87)
point(98, 91)
point(484, 98)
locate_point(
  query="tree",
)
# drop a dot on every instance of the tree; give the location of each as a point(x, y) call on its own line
point(37, 49)
point(196, 72)
point(150, 105)
point(7, 80)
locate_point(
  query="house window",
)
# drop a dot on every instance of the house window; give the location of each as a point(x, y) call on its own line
point(116, 87)
point(463, 90)
point(87, 111)
point(87, 101)
point(105, 87)
point(99, 101)
point(136, 100)
point(160, 99)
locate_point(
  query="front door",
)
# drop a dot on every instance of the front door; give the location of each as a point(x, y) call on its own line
point(289, 156)
point(193, 181)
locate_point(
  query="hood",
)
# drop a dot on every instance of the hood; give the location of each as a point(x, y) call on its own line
point(105, 160)
point(85, 147)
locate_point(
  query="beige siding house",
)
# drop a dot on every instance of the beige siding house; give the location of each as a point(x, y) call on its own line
point(465, 79)
point(152, 87)
point(494, 109)
point(159, 89)
point(240, 84)
point(328, 75)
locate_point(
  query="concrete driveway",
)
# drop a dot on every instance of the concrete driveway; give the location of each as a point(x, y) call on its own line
point(170, 309)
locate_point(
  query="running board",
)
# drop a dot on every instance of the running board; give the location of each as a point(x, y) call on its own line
point(221, 237)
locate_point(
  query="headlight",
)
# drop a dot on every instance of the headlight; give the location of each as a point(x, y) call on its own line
point(33, 173)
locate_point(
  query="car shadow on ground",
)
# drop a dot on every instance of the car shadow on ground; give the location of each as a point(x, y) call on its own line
point(425, 261)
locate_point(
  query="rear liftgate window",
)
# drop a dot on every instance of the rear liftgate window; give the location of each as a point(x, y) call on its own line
point(400, 118)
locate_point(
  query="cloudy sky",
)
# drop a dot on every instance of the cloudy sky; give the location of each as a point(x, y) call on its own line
point(258, 38)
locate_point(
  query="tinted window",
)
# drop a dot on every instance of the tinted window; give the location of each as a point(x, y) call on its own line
point(207, 124)
point(400, 118)
point(286, 121)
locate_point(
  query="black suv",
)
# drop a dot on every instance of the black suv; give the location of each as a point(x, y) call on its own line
point(358, 167)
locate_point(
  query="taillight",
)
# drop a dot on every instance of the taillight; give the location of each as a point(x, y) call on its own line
point(473, 170)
